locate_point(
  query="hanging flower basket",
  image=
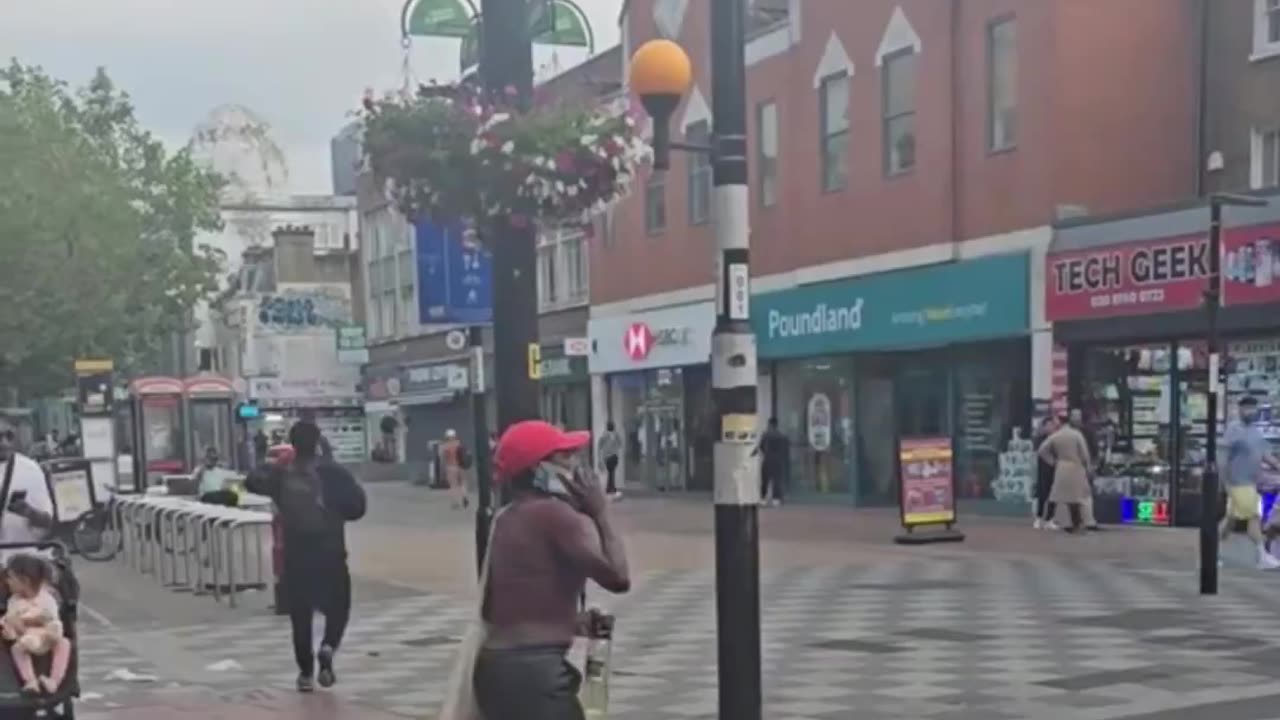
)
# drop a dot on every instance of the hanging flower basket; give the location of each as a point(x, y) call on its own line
point(451, 154)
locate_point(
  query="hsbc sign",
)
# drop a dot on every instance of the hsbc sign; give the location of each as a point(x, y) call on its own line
point(671, 337)
point(640, 339)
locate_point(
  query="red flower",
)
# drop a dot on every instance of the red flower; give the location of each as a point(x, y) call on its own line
point(565, 162)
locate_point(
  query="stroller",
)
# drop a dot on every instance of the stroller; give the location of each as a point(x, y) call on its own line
point(13, 704)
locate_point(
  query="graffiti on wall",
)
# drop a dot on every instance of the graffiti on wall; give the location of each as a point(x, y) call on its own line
point(302, 311)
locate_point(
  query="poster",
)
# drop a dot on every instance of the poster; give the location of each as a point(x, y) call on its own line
point(928, 487)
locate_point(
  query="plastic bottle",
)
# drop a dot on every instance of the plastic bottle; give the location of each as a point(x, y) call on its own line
point(595, 676)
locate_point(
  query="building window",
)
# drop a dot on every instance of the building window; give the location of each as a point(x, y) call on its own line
point(608, 228)
point(548, 277)
point(1002, 85)
point(767, 151)
point(1266, 31)
point(655, 202)
point(899, 97)
point(1265, 163)
point(699, 170)
point(833, 102)
point(573, 251)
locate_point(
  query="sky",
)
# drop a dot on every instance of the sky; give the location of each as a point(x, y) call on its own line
point(301, 65)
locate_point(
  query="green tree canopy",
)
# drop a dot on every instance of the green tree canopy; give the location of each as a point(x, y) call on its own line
point(98, 223)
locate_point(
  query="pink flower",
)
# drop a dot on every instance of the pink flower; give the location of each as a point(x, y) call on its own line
point(565, 162)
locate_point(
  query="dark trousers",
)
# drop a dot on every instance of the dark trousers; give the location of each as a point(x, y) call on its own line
point(1044, 485)
point(771, 478)
point(535, 683)
point(611, 469)
point(316, 584)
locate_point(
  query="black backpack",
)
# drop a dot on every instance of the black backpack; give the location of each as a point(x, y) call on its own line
point(302, 507)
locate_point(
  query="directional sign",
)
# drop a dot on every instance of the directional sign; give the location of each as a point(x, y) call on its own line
point(455, 277)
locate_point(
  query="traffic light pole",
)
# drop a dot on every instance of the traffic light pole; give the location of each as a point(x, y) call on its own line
point(506, 64)
point(733, 378)
point(1210, 491)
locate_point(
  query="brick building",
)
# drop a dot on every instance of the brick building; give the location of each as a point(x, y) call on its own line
point(908, 160)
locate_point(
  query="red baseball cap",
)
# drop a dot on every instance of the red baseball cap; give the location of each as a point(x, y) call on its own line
point(527, 443)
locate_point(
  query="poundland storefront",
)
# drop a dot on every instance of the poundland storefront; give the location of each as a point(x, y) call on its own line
point(936, 351)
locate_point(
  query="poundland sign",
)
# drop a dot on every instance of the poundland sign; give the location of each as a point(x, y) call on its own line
point(933, 305)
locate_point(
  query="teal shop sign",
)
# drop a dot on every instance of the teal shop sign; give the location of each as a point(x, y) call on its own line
point(935, 305)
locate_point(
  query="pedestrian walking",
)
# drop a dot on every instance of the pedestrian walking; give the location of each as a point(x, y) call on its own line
point(454, 460)
point(1247, 453)
point(315, 498)
point(774, 450)
point(609, 449)
point(1068, 453)
point(1044, 476)
point(1076, 418)
point(556, 533)
point(27, 514)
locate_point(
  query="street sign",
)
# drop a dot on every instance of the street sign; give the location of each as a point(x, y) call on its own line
point(577, 347)
point(352, 347)
point(437, 18)
point(535, 361)
point(455, 276)
point(88, 366)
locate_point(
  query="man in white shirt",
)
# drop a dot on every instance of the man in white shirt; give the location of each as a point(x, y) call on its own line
point(28, 507)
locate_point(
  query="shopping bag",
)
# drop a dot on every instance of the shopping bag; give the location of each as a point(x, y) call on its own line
point(460, 694)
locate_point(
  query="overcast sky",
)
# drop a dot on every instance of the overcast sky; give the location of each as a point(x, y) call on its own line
point(300, 64)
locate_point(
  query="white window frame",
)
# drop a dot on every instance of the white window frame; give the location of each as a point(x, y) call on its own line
point(561, 285)
point(767, 147)
point(698, 169)
point(1264, 158)
point(655, 195)
point(891, 117)
point(1266, 29)
point(826, 135)
point(1002, 134)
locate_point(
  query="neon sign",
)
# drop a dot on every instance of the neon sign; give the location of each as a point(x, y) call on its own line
point(1134, 511)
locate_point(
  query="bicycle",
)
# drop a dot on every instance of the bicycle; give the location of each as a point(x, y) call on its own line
point(98, 535)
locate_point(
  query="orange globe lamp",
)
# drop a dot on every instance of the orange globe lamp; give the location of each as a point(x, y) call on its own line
point(661, 74)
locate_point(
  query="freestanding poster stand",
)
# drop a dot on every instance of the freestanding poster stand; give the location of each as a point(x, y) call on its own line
point(927, 491)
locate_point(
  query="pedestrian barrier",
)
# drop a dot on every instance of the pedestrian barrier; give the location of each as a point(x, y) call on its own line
point(197, 547)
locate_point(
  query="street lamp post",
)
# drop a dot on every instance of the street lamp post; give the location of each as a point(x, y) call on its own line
point(506, 68)
point(660, 74)
point(1210, 492)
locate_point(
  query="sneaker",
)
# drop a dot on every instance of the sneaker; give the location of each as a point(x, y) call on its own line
point(1094, 528)
point(305, 683)
point(1267, 561)
point(1050, 525)
point(1037, 524)
point(326, 677)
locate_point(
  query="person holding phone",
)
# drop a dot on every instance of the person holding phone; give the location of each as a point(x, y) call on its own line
point(28, 506)
point(556, 533)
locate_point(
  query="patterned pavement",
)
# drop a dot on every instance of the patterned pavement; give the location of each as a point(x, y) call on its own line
point(942, 638)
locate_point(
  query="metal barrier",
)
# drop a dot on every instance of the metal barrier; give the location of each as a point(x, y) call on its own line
point(194, 546)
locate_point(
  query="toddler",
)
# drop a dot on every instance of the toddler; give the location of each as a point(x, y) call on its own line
point(32, 625)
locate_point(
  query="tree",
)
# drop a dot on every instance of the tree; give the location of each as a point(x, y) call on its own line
point(98, 223)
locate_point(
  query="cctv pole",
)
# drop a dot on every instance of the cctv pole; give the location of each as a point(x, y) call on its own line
point(506, 62)
point(1210, 491)
point(733, 378)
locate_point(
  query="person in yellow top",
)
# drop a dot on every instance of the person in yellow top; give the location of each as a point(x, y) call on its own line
point(454, 460)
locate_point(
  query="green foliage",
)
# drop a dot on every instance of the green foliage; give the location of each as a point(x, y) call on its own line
point(98, 223)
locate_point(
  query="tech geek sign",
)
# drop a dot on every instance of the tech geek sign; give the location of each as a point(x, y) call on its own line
point(1162, 275)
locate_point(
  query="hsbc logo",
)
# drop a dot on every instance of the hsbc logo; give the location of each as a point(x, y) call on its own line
point(640, 339)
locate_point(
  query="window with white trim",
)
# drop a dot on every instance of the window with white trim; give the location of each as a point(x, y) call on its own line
point(1266, 29)
point(1265, 158)
point(698, 167)
point(655, 202)
point(767, 151)
point(833, 114)
point(563, 269)
point(899, 112)
point(1002, 85)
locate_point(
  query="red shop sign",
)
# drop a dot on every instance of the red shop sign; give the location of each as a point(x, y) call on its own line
point(1131, 279)
point(1251, 264)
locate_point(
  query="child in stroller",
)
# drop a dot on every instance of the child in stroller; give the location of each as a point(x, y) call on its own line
point(14, 703)
point(31, 623)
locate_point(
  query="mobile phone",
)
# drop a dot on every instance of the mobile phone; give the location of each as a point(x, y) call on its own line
point(17, 496)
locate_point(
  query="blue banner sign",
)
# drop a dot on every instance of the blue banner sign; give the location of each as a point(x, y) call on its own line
point(455, 277)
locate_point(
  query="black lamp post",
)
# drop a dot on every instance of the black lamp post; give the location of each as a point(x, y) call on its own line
point(660, 74)
point(1210, 496)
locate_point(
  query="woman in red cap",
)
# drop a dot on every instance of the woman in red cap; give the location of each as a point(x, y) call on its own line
point(555, 534)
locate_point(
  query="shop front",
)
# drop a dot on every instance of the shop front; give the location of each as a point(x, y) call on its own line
point(1126, 300)
point(657, 382)
point(942, 351)
point(334, 404)
point(566, 388)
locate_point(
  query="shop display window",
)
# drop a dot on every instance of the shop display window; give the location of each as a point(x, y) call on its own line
point(815, 410)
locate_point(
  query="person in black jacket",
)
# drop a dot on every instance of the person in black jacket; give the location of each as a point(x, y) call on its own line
point(315, 498)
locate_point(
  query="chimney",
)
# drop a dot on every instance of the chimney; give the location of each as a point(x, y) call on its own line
point(295, 247)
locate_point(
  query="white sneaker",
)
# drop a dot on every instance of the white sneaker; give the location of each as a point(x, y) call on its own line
point(1051, 525)
point(1037, 524)
point(1267, 561)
